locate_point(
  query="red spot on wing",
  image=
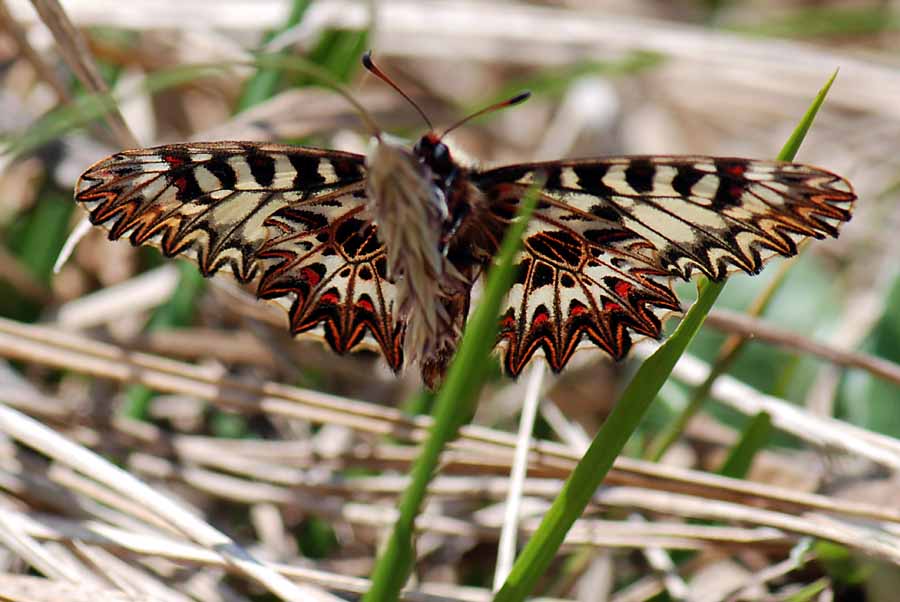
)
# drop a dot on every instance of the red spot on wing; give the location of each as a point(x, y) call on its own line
point(737, 170)
point(578, 310)
point(365, 305)
point(310, 276)
point(174, 160)
point(623, 289)
point(330, 298)
point(611, 307)
point(539, 319)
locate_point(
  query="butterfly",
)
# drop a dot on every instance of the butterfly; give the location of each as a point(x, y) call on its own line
point(386, 248)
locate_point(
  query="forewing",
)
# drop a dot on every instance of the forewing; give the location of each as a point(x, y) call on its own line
point(609, 235)
point(249, 209)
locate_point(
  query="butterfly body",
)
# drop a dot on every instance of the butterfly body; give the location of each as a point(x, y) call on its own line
point(386, 248)
point(408, 194)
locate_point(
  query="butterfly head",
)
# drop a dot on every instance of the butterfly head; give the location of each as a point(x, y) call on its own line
point(433, 153)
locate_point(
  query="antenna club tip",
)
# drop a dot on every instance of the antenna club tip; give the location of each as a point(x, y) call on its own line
point(367, 59)
point(521, 97)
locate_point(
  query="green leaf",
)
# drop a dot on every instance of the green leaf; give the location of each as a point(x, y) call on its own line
point(264, 83)
point(809, 592)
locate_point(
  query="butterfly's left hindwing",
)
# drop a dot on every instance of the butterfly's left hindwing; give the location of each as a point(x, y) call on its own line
point(332, 272)
point(290, 214)
point(609, 235)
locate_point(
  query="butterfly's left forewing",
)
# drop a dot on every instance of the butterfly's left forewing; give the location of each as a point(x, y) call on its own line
point(610, 234)
point(289, 214)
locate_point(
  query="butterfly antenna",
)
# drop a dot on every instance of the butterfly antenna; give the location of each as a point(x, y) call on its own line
point(372, 68)
point(518, 98)
point(369, 122)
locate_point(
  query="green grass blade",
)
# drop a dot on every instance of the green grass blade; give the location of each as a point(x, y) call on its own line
point(45, 229)
point(733, 345)
point(338, 51)
point(790, 148)
point(810, 592)
point(592, 468)
point(453, 407)
point(34, 240)
point(89, 107)
point(264, 83)
point(621, 423)
point(754, 438)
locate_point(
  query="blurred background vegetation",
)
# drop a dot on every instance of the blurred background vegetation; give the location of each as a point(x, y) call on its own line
point(608, 77)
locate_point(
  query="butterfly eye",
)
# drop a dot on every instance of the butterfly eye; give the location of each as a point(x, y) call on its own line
point(441, 161)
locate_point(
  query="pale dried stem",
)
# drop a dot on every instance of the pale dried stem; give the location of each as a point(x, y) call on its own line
point(287, 401)
point(541, 36)
point(761, 330)
point(819, 431)
point(40, 66)
point(74, 50)
point(51, 444)
point(112, 362)
point(61, 349)
point(506, 550)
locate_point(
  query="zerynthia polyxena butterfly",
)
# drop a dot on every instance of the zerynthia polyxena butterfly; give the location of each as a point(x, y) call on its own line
point(386, 247)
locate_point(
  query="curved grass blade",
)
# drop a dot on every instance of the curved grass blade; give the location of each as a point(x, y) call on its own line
point(754, 438)
point(733, 345)
point(89, 107)
point(621, 423)
point(454, 407)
